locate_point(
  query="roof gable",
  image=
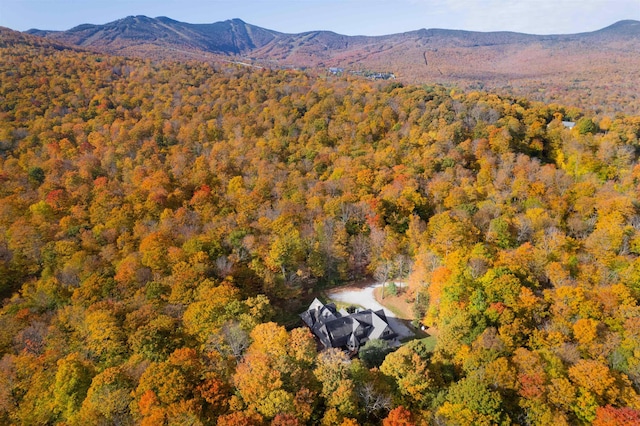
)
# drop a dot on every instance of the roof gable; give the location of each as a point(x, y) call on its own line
point(335, 329)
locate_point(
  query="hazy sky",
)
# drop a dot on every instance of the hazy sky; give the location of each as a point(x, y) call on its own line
point(368, 17)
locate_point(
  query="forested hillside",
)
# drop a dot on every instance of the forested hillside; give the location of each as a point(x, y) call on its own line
point(598, 71)
point(161, 224)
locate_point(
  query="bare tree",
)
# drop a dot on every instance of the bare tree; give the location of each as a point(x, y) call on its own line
point(382, 274)
point(374, 401)
point(237, 339)
point(224, 266)
point(403, 265)
point(360, 248)
point(233, 340)
point(478, 267)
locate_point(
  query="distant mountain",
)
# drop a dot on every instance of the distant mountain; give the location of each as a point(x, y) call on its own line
point(162, 36)
point(9, 37)
point(137, 34)
point(621, 28)
point(545, 67)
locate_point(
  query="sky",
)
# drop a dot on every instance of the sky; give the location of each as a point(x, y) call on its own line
point(350, 17)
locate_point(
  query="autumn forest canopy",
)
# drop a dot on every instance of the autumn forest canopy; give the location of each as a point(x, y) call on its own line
point(163, 223)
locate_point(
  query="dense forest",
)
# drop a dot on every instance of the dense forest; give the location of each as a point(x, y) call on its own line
point(162, 224)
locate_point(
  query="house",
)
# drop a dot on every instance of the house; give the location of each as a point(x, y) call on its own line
point(340, 329)
point(569, 124)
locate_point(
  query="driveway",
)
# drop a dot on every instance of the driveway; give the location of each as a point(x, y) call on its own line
point(364, 297)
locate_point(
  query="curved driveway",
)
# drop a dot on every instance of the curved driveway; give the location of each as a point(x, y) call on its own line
point(364, 297)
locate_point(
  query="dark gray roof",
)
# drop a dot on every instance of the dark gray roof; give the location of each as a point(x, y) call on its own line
point(334, 329)
point(318, 312)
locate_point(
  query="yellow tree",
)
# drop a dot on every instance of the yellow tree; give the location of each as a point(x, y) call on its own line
point(275, 369)
point(72, 382)
point(411, 374)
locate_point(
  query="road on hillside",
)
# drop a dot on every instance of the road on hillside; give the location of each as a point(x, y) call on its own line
point(364, 297)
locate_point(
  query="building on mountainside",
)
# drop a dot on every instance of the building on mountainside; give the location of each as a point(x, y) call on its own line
point(569, 124)
point(383, 76)
point(340, 329)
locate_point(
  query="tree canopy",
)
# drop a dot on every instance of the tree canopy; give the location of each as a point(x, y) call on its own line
point(162, 222)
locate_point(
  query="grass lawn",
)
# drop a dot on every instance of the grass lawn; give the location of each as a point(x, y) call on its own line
point(430, 342)
point(404, 310)
point(342, 305)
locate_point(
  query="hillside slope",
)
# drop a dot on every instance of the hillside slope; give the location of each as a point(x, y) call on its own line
point(164, 37)
point(598, 69)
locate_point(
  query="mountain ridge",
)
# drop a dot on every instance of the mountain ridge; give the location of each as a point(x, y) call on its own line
point(247, 37)
point(228, 37)
point(624, 23)
point(549, 68)
point(138, 35)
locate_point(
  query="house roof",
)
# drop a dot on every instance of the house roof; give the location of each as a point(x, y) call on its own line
point(319, 312)
point(335, 329)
